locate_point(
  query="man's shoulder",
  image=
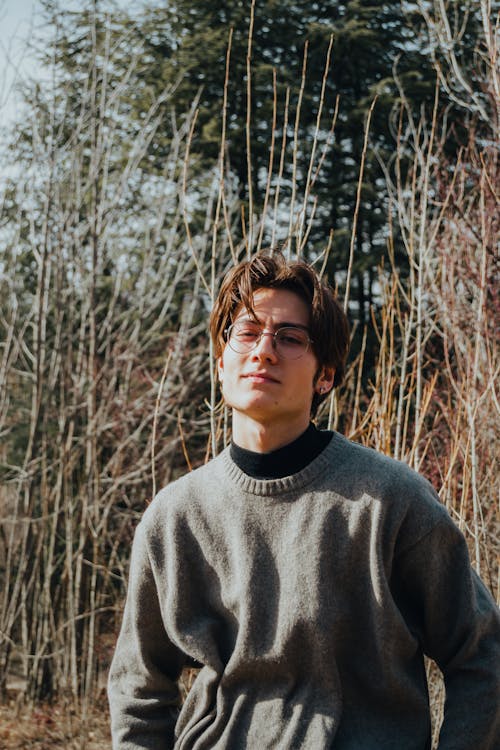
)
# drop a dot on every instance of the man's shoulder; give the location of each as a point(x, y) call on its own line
point(367, 461)
point(395, 496)
point(371, 473)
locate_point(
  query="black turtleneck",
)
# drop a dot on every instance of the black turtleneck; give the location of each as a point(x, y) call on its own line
point(284, 461)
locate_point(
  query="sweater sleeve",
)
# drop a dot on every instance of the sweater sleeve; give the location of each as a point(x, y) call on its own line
point(142, 685)
point(458, 624)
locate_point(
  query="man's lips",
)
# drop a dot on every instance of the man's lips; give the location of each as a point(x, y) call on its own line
point(260, 377)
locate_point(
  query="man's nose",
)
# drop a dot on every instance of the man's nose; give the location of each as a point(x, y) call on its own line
point(266, 346)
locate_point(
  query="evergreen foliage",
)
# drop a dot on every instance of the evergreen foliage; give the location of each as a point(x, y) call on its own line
point(187, 41)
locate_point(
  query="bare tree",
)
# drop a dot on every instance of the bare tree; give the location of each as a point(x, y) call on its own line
point(98, 286)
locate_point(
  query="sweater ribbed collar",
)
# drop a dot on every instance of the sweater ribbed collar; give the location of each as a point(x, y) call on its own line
point(291, 484)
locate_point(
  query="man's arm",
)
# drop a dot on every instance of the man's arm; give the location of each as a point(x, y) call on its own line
point(458, 624)
point(142, 686)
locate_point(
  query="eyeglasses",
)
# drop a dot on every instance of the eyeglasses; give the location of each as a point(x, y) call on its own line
point(289, 342)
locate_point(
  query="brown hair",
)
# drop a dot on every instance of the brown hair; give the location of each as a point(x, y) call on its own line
point(329, 328)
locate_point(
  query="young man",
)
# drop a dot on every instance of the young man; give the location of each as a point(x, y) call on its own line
point(305, 575)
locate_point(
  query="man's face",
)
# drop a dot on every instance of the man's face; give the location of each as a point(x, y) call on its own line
point(262, 386)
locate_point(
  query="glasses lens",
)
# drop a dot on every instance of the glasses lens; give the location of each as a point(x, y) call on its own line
point(291, 343)
point(243, 337)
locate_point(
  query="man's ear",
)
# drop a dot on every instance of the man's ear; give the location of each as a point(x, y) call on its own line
point(324, 380)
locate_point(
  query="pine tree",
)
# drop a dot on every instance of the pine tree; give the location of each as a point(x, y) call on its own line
point(187, 42)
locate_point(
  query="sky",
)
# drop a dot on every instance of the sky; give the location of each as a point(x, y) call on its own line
point(18, 20)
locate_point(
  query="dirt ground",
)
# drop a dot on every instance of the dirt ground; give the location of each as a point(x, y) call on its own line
point(59, 725)
point(49, 727)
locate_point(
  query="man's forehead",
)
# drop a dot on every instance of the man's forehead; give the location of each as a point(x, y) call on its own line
point(284, 306)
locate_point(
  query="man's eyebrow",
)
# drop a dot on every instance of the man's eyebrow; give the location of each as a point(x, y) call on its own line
point(281, 324)
point(286, 324)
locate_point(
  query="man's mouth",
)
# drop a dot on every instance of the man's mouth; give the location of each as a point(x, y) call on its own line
point(260, 377)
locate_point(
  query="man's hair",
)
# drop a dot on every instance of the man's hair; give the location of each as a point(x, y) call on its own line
point(328, 327)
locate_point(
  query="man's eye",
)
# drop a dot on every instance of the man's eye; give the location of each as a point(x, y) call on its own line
point(291, 339)
point(247, 333)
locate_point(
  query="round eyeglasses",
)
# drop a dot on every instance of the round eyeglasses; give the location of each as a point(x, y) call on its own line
point(289, 342)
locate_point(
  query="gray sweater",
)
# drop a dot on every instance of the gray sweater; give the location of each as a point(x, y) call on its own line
point(308, 601)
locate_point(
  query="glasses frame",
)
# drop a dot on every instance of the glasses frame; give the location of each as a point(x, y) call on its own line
point(227, 337)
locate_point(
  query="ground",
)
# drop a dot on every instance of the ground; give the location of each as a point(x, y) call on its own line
point(52, 727)
point(59, 726)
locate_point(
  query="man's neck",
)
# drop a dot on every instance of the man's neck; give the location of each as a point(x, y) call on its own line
point(264, 438)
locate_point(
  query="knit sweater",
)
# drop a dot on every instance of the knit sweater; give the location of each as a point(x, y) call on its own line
point(308, 602)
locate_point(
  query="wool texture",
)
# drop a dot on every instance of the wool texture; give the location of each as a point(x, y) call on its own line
point(308, 602)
